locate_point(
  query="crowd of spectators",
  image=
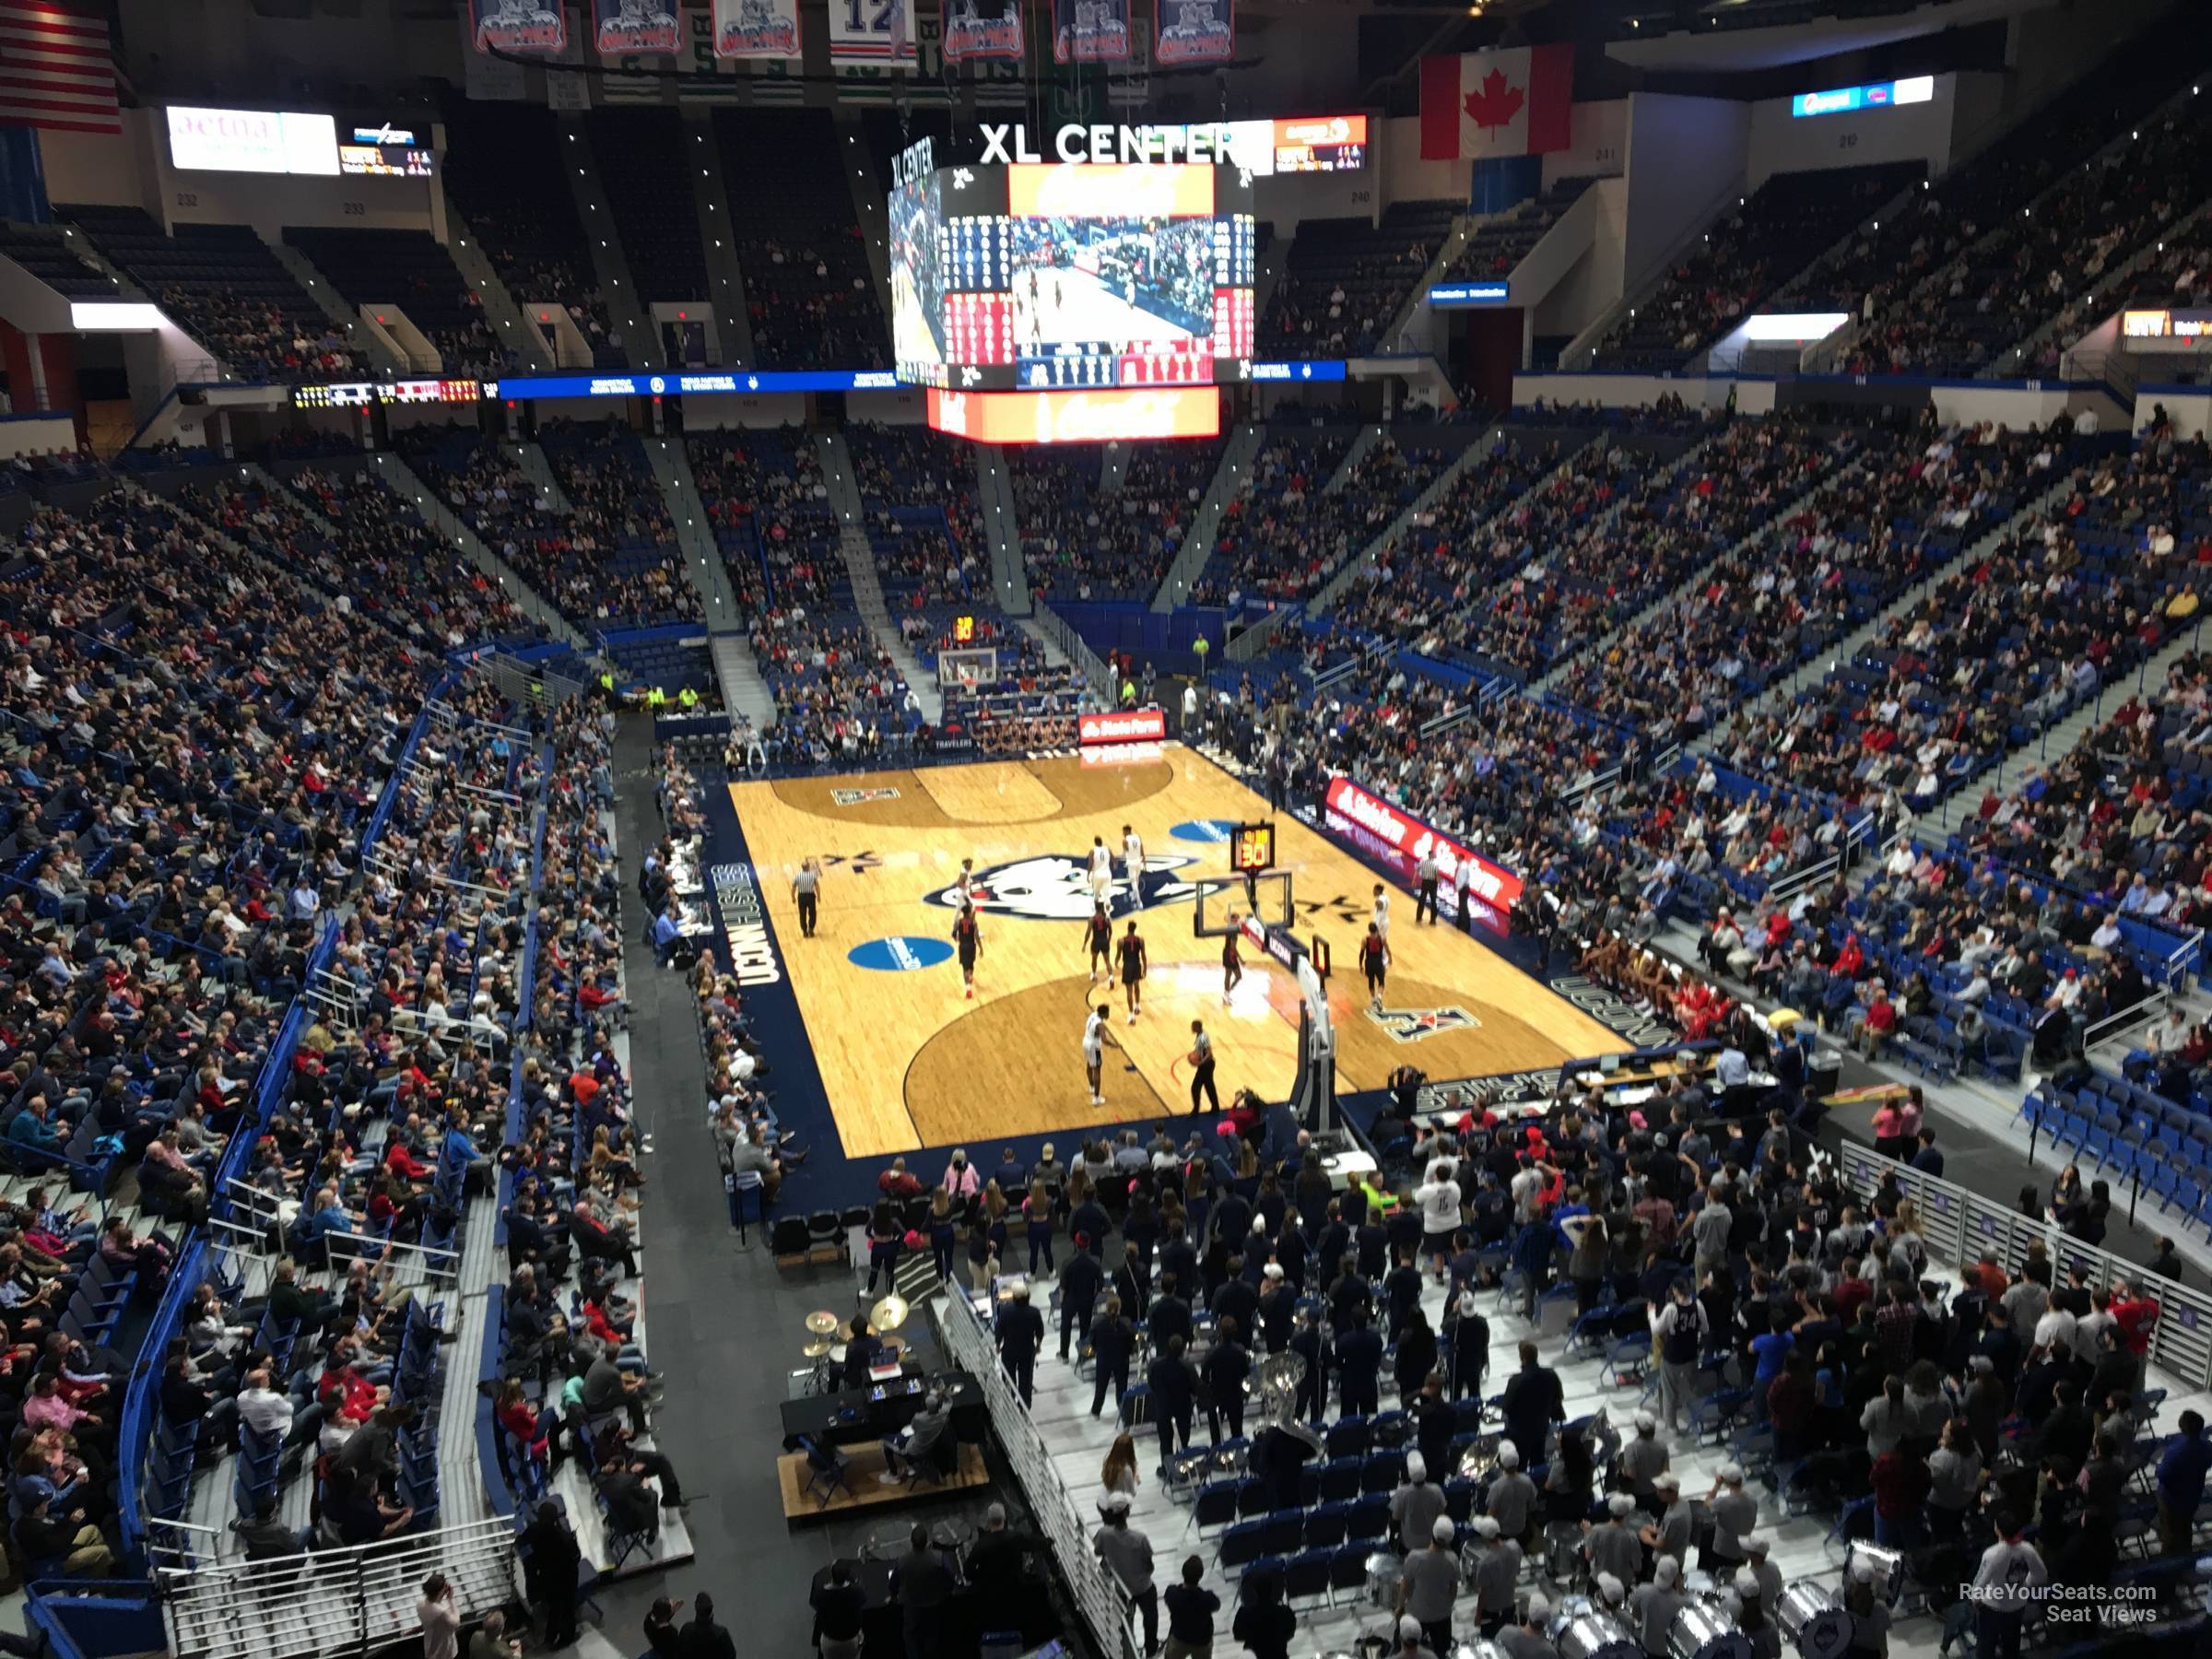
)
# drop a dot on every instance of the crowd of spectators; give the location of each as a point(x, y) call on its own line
point(1284, 538)
point(373, 554)
point(1344, 279)
point(1768, 239)
point(1081, 542)
point(1583, 581)
point(2015, 272)
point(765, 495)
point(925, 520)
point(611, 559)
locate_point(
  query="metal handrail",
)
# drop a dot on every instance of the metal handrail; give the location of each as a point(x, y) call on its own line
point(1962, 1224)
point(230, 1609)
point(1097, 1594)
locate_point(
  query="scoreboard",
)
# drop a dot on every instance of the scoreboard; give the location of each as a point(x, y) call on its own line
point(1073, 276)
point(354, 394)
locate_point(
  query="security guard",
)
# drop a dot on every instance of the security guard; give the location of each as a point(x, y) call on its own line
point(1080, 1277)
point(1020, 1335)
point(1112, 1339)
point(689, 698)
point(655, 698)
point(1314, 1387)
point(1174, 1395)
point(1358, 1362)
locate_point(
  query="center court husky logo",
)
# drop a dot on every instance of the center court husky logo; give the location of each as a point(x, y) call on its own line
point(1055, 887)
point(1410, 1025)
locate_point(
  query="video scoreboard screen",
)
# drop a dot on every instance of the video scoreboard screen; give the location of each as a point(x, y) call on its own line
point(1073, 276)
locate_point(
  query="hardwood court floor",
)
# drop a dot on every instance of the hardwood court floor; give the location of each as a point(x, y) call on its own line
point(909, 1063)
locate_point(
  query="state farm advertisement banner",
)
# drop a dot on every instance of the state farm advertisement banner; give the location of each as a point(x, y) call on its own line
point(1122, 725)
point(1381, 830)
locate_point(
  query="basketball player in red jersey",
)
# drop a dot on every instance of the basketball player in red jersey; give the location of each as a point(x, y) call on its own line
point(1098, 939)
point(969, 939)
point(1133, 966)
point(1232, 961)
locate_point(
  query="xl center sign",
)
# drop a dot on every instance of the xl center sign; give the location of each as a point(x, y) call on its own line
point(1009, 143)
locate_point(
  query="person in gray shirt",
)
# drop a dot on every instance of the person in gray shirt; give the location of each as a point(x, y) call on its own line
point(1512, 1496)
point(1129, 1554)
point(1428, 1584)
point(1644, 1458)
point(1417, 1503)
point(1527, 1640)
point(2025, 1303)
point(1887, 1419)
point(1709, 1233)
point(1613, 1547)
point(1493, 1568)
point(1734, 1512)
point(1954, 1472)
point(1765, 1574)
point(1652, 1606)
point(1670, 1535)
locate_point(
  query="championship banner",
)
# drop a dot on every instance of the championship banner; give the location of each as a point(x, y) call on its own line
point(757, 28)
point(1090, 32)
point(870, 31)
point(519, 25)
point(1484, 104)
point(983, 28)
point(1197, 32)
point(638, 26)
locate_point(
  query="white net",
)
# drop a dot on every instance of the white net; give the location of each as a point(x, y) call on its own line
point(970, 669)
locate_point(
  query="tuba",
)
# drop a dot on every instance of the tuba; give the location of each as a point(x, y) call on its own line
point(1272, 1390)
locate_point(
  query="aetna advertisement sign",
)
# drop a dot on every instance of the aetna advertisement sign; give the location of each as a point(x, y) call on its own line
point(1122, 725)
point(1400, 842)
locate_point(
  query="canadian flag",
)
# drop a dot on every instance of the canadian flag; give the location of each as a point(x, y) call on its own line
point(1514, 102)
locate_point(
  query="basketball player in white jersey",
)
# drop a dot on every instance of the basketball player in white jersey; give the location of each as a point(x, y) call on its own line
point(964, 886)
point(1382, 914)
point(1096, 1036)
point(1133, 864)
point(1101, 872)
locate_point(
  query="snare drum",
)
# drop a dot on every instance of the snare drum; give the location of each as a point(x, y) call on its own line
point(1384, 1571)
point(1697, 1583)
point(1571, 1609)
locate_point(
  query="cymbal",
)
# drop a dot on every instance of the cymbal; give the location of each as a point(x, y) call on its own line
point(890, 1314)
point(821, 1322)
point(817, 1348)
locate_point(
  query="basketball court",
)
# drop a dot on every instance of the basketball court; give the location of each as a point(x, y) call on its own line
point(908, 1062)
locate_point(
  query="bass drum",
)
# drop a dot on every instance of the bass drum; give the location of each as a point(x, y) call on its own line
point(1701, 1630)
point(1810, 1620)
point(1482, 1648)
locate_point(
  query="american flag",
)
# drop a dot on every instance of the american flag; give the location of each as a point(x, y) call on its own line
point(55, 70)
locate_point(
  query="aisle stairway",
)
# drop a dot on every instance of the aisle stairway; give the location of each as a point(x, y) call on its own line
point(994, 492)
point(709, 578)
point(1237, 456)
point(441, 517)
